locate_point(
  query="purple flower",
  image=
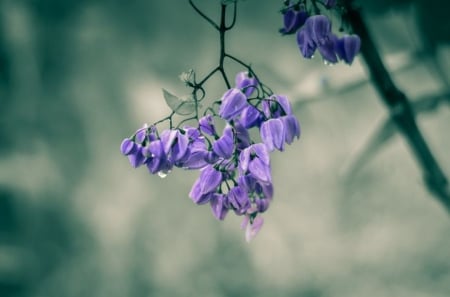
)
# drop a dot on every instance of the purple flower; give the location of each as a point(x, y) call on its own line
point(224, 146)
point(195, 157)
point(238, 198)
point(305, 44)
point(136, 157)
point(348, 47)
point(273, 134)
point(206, 125)
point(127, 147)
point(246, 83)
point(316, 33)
point(250, 117)
point(180, 147)
point(264, 190)
point(233, 102)
point(219, 205)
point(291, 128)
point(252, 227)
point(262, 204)
point(242, 136)
point(254, 162)
point(157, 160)
point(293, 18)
point(207, 183)
point(318, 29)
point(327, 50)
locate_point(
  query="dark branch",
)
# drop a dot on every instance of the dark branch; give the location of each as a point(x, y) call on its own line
point(203, 15)
point(401, 111)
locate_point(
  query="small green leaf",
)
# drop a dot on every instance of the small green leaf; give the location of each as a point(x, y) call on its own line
point(181, 106)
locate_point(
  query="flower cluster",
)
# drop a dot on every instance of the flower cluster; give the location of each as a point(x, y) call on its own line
point(314, 33)
point(235, 171)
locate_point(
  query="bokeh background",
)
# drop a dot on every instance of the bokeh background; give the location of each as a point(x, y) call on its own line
point(76, 77)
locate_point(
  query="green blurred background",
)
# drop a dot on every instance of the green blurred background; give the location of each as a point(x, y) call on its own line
point(76, 77)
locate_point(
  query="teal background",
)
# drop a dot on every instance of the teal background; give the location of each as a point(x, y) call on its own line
point(76, 77)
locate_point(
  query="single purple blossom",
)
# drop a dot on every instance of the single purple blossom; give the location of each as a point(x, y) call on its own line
point(246, 83)
point(239, 199)
point(219, 205)
point(207, 183)
point(254, 166)
point(136, 157)
point(250, 117)
point(157, 162)
point(305, 43)
point(291, 128)
point(224, 146)
point(233, 102)
point(252, 227)
point(262, 204)
point(328, 52)
point(206, 125)
point(348, 47)
point(196, 156)
point(273, 134)
point(318, 29)
point(242, 136)
point(293, 18)
point(127, 147)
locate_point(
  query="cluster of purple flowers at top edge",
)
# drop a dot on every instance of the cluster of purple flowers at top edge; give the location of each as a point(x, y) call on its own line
point(314, 33)
point(235, 172)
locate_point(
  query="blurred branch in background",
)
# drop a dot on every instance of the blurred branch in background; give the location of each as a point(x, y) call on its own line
point(401, 111)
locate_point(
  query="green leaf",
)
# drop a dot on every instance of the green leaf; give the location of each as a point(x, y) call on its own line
point(181, 106)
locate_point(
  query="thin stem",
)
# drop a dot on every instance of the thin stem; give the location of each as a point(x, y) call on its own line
point(209, 20)
point(222, 30)
point(233, 22)
point(398, 103)
point(208, 76)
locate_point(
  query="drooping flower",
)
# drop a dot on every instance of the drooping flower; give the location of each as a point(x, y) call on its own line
point(250, 117)
point(252, 227)
point(233, 102)
point(305, 44)
point(348, 47)
point(327, 51)
point(242, 136)
point(224, 146)
point(318, 28)
point(293, 18)
point(127, 147)
point(206, 125)
point(207, 183)
point(291, 128)
point(239, 200)
point(136, 157)
point(246, 83)
point(273, 134)
point(254, 166)
point(219, 205)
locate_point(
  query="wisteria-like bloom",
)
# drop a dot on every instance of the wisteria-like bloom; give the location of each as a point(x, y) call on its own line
point(235, 171)
point(314, 33)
